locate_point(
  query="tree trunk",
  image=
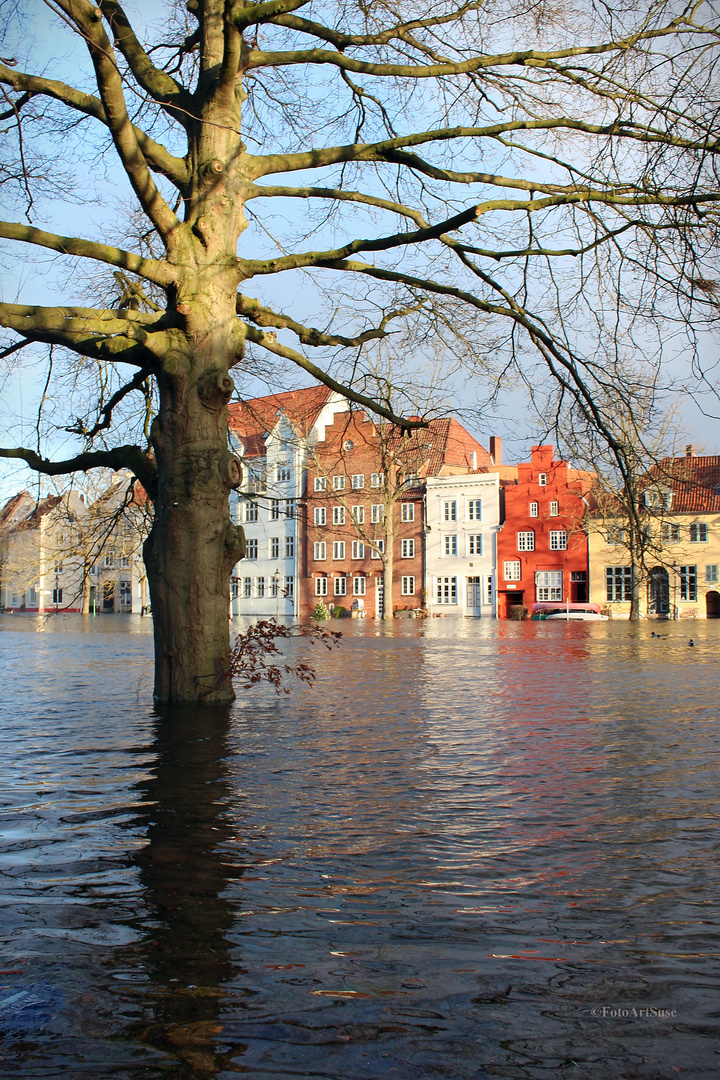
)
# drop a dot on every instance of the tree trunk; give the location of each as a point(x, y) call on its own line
point(388, 561)
point(193, 544)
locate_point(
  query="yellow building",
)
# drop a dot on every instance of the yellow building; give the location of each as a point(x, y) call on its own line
point(678, 575)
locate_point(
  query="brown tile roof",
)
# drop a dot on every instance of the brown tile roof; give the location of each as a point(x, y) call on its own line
point(443, 445)
point(694, 481)
point(12, 505)
point(253, 418)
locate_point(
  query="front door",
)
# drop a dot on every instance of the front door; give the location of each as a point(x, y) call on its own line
point(474, 596)
point(658, 591)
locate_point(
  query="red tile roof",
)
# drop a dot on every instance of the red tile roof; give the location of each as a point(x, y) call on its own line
point(14, 503)
point(255, 417)
point(694, 481)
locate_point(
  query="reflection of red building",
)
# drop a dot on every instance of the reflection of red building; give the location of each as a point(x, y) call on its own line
point(542, 549)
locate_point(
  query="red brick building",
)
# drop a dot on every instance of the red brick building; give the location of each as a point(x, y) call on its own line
point(363, 516)
point(542, 549)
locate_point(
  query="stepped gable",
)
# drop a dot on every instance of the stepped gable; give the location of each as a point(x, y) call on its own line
point(694, 482)
point(250, 420)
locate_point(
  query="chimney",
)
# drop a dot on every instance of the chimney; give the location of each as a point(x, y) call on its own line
point(496, 449)
point(690, 450)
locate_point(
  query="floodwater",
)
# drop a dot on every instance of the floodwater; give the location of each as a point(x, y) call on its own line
point(472, 850)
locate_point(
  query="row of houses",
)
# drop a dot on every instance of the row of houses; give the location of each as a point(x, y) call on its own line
point(347, 512)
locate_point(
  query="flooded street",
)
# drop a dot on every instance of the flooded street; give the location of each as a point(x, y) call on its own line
point(473, 849)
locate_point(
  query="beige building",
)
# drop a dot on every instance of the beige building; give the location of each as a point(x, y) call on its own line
point(678, 575)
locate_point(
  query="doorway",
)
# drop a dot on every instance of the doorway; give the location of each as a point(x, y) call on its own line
point(712, 605)
point(474, 596)
point(658, 591)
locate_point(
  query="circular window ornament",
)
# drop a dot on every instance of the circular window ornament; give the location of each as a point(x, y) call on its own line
point(348, 444)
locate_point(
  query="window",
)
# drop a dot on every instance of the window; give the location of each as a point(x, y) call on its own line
point(289, 510)
point(252, 549)
point(670, 531)
point(358, 514)
point(475, 544)
point(320, 483)
point(377, 513)
point(618, 583)
point(320, 515)
point(615, 536)
point(578, 576)
point(407, 587)
point(377, 549)
point(108, 562)
point(274, 547)
point(657, 500)
point(489, 589)
point(358, 481)
point(338, 515)
point(558, 540)
point(450, 511)
point(548, 585)
point(358, 549)
point(358, 586)
point(447, 590)
point(711, 573)
point(338, 483)
point(251, 511)
point(274, 585)
point(688, 582)
point(542, 479)
point(554, 508)
point(377, 480)
point(319, 551)
point(407, 511)
point(533, 509)
point(698, 532)
point(321, 586)
point(475, 510)
point(407, 549)
point(450, 545)
point(340, 586)
point(526, 541)
point(282, 472)
point(57, 596)
point(274, 509)
point(289, 586)
point(123, 561)
point(512, 570)
point(289, 547)
point(411, 479)
point(247, 586)
point(260, 586)
point(339, 549)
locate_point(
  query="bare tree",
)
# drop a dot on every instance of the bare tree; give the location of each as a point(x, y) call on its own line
point(448, 162)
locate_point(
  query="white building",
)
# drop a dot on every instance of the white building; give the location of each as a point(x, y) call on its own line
point(463, 515)
point(273, 436)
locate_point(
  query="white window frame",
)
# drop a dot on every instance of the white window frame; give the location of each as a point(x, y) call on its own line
point(357, 481)
point(274, 547)
point(377, 480)
point(358, 514)
point(320, 483)
point(320, 515)
point(289, 547)
point(338, 517)
point(449, 510)
point(554, 508)
point(534, 509)
point(357, 549)
point(407, 585)
point(251, 511)
point(407, 511)
point(699, 532)
point(289, 587)
point(252, 549)
point(526, 540)
point(512, 570)
point(376, 554)
point(338, 483)
point(475, 544)
point(475, 510)
point(338, 549)
point(340, 586)
point(407, 549)
point(321, 586)
point(446, 590)
point(711, 574)
point(548, 585)
point(359, 586)
point(558, 540)
point(542, 479)
point(450, 545)
point(319, 550)
point(377, 513)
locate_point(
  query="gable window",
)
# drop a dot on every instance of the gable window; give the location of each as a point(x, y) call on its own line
point(252, 549)
point(377, 513)
point(475, 510)
point(338, 483)
point(282, 472)
point(320, 515)
point(338, 549)
point(446, 590)
point(558, 540)
point(320, 550)
point(358, 480)
point(378, 549)
point(340, 588)
point(358, 515)
point(450, 510)
point(377, 480)
point(407, 549)
point(251, 511)
point(548, 585)
point(512, 570)
point(358, 549)
point(320, 483)
point(542, 479)
point(321, 586)
point(450, 545)
point(407, 511)
point(358, 586)
point(688, 582)
point(526, 541)
point(274, 547)
point(533, 509)
point(407, 587)
point(338, 515)
point(711, 574)
point(698, 532)
point(475, 544)
point(289, 547)
point(618, 583)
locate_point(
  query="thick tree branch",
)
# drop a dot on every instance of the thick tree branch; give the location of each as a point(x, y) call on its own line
point(252, 309)
point(121, 457)
point(117, 336)
point(244, 15)
point(159, 273)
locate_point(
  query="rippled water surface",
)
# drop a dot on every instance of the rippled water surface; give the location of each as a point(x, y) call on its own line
point(472, 850)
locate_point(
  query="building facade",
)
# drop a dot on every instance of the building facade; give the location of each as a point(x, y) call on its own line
point(542, 548)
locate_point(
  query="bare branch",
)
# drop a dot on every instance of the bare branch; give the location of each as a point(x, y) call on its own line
point(121, 457)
